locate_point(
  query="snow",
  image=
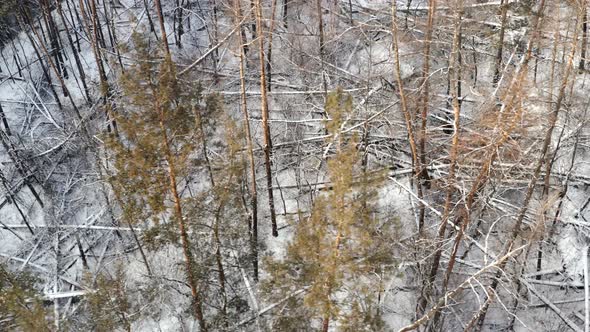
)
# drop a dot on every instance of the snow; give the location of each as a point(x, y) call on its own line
point(75, 205)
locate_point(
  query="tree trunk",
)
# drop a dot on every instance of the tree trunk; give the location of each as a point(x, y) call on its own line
point(104, 84)
point(54, 39)
point(186, 248)
point(424, 178)
point(51, 64)
point(253, 190)
point(321, 45)
point(162, 26)
point(4, 121)
point(402, 97)
point(265, 125)
point(499, 61)
point(215, 38)
point(74, 50)
point(74, 22)
point(455, 91)
point(180, 29)
point(253, 11)
point(285, 14)
point(553, 117)
point(326, 324)
point(584, 36)
point(219, 261)
point(109, 22)
point(269, 53)
point(149, 17)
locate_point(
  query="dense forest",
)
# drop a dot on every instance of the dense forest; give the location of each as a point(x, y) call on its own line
point(294, 165)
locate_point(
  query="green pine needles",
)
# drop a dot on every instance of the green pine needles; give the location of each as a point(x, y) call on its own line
point(21, 308)
point(336, 251)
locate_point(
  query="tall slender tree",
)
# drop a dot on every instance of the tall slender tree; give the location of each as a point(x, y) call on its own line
point(250, 149)
point(157, 143)
point(336, 244)
point(265, 124)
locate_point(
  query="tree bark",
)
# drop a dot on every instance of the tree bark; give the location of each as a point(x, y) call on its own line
point(424, 178)
point(269, 53)
point(252, 160)
point(553, 117)
point(52, 65)
point(455, 92)
point(162, 26)
point(265, 125)
point(321, 45)
point(582, 64)
point(104, 83)
point(178, 213)
point(500, 49)
point(74, 50)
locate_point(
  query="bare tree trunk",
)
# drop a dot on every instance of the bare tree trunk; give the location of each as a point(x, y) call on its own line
point(54, 39)
point(326, 324)
point(56, 320)
point(499, 61)
point(350, 9)
point(403, 102)
point(82, 254)
point(253, 190)
point(104, 84)
point(74, 22)
point(553, 116)
point(109, 22)
point(265, 125)
point(253, 11)
point(4, 121)
point(454, 68)
point(424, 177)
point(321, 45)
point(199, 125)
point(216, 37)
point(586, 290)
point(162, 26)
point(74, 50)
point(180, 29)
point(51, 64)
point(10, 194)
point(101, 38)
point(149, 17)
point(584, 36)
point(220, 268)
point(269, 53)
point(285, 14)
point(463, 218)
point(43, 68)
point(128, 222)
point(23, 170)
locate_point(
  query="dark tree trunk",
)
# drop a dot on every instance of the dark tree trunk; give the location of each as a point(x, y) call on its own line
point(74, 51)
point(149, 17)
point(499, 61)
point(162, 26)
point(584, 39)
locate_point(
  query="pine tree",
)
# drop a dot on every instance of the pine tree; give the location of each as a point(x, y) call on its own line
point(21, 308)
point(168, 130)
point(153, 156)
point(223, 207)
point(109, 306)
point(336, 248)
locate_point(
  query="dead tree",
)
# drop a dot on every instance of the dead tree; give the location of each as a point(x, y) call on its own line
point(250, 150)
point(265, 125)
